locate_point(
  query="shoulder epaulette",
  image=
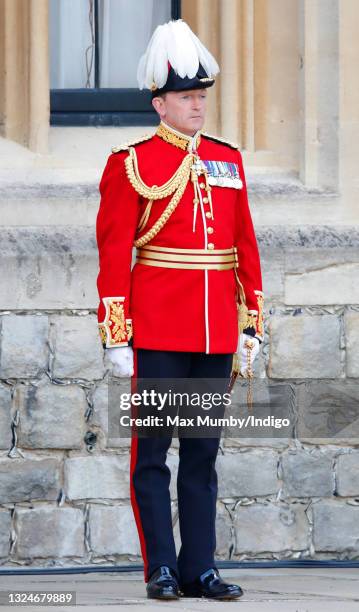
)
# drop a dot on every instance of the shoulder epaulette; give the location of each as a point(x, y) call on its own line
point(132, 143)
point(233, 145)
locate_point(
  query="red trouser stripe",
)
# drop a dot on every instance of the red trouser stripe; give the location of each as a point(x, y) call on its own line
point(134, 447)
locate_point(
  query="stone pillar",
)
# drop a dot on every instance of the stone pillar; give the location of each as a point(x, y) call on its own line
point(203, 18)
point(24, 74)
point(256, 44)
point(246, 94)
point(319, 93)
point(349, 109)
point(230, 119)
point(39, 86)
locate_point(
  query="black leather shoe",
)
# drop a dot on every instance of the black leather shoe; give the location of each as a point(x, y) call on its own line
point(163, 584)
point(211, 585)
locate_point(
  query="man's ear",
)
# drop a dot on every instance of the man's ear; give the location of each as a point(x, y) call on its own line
point(157, 104)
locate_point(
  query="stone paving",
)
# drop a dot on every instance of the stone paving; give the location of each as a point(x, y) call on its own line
point(265, 590)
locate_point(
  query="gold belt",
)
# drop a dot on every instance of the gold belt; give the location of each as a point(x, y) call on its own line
point(189, 259)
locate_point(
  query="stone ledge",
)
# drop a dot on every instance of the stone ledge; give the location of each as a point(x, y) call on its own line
point(55, 266)
point(67, 238)
point(309, 236)
point(258, 184)
point(46, 191)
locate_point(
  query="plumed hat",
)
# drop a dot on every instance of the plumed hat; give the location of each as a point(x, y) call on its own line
point(175, 60)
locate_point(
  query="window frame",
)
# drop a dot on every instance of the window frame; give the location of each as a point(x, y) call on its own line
point(104, 106)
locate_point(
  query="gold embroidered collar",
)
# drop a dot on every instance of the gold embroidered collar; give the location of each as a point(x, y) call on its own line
point(178, 139)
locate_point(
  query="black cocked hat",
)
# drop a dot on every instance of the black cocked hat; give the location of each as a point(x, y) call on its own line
point(175, 60)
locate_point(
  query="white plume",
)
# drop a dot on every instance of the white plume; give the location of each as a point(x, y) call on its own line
point(173, 42)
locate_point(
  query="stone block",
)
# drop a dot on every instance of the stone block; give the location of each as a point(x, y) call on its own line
point(49, 532)
point(5, 418)
point(334, 284)
point(304, 346)
point(224, 532)
point(247, 474)
point(335, 527)
point(51, 416)
point(328, 411)
point(307, 474)
point(351, 324)
point(270, 528)
point(5, 527)
point(49, 267)
point(113, 530)
point(26, 479)
point(24, 348)
point(97, 477)
point(347, 473)
point(78, 352)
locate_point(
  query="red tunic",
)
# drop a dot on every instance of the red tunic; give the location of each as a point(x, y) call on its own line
point(155, 307)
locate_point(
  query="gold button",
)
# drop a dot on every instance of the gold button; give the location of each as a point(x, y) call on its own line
point(205, 200)
point(210, 245)
point(208, 214)
point(210, 230)
point(202, 185)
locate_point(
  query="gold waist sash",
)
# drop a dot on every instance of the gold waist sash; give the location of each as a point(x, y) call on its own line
point(190, 259)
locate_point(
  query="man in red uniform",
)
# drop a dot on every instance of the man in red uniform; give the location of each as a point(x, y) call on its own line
point(179, 196)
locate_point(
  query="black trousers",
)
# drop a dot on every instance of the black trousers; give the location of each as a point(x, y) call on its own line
point(196, 481)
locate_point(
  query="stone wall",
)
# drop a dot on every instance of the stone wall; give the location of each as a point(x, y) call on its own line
point(64, 493)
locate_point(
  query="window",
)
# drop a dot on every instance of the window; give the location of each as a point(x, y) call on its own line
point(95, 46)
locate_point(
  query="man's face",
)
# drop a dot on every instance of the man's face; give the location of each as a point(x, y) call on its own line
point(183, 110)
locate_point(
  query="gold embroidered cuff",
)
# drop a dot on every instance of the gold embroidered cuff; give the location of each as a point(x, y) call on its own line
point(255, 317)
point(115, 329)
point(260, 302)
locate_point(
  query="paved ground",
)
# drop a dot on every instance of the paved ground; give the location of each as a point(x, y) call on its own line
point(265, 590)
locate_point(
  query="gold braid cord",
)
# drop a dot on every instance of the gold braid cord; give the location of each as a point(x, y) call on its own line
point(176, 185)
point(249, 344)
point(244, 319)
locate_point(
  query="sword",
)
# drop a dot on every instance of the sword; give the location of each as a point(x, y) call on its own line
point(249, 373)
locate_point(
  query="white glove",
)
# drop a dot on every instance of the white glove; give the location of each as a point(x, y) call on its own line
point(243, 351)
point(121, 358)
